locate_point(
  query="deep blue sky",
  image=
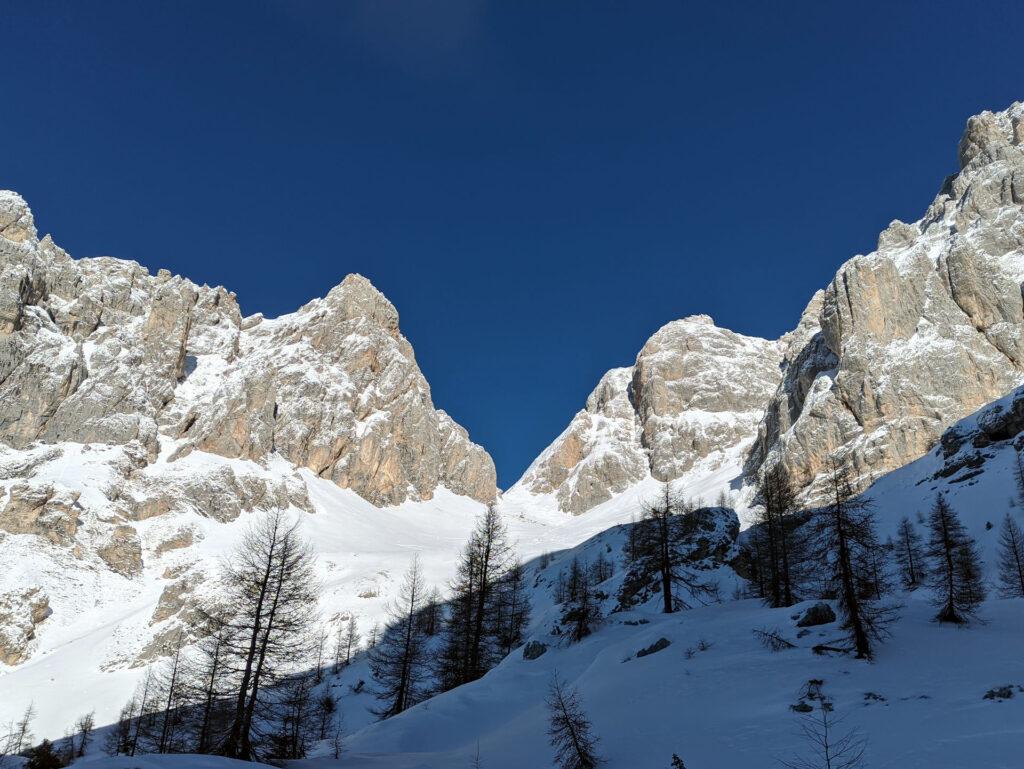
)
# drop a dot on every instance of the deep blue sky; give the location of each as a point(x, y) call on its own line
point(537, 186)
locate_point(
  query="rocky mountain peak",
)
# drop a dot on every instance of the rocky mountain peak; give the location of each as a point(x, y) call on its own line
point(100, 351)
point(991, 135)
point(901, 343)
point(696, 391)
point(16, 222)
point(356, 297)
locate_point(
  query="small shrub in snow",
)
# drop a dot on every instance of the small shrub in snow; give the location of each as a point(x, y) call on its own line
point(773, 640)
point(825, 747)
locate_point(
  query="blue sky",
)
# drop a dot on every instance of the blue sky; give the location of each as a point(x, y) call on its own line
point(537, 186)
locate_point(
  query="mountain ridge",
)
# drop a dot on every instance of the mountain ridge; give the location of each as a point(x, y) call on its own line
point(901, 343)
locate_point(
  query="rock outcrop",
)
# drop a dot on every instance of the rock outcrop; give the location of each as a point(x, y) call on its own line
point(42, 510)
point(20, 613)
point(910, 338)
point(599, 454)
point(696, 391)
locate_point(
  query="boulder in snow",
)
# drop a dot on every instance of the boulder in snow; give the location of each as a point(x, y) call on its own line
point(819, 614)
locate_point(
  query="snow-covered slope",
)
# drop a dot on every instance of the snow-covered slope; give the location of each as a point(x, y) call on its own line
point(920, 704)
point(715, 695)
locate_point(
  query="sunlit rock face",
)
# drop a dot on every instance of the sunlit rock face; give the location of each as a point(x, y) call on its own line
point(100, 351)
point(901, 343)
point(695, 390)
point(919, 333)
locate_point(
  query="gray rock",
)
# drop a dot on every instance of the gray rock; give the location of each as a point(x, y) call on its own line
point(818, 614)
point(533, 650)
point(122, 551)
point(42, 510)
point(657, 646)
point(20, 614)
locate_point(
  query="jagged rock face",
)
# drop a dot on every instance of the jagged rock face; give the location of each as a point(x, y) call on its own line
point(599, 454)
point(901, 344)
point(695, 390)
point(910, 338)
point(20, 613)
point(41, 510)
point(100, 351)
point(699, 389)
point(174, 413)
point(335, 387)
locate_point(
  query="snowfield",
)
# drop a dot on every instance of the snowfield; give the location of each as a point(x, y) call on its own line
point(102, 620)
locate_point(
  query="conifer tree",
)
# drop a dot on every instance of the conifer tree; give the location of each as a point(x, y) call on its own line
point(909, 555)
point(326, 709)
point(582, 612)
point(143, 710)
point(477, 616)
point(43, 756)
point(84, 727)
point(1011, 559)
point(209, 686)
point(170, 697)
point(271, 603)
point(320, 645)
point(347, 643)
point(119, 738)
point(514, 608)
point(600, 569)
point(399, 661)
point(845, 531)
point(955, 577)
point(1018, 475)
point(21, 735)
point(569, 730)
point(431, 613)
point(778, 537)
point(293, 709)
